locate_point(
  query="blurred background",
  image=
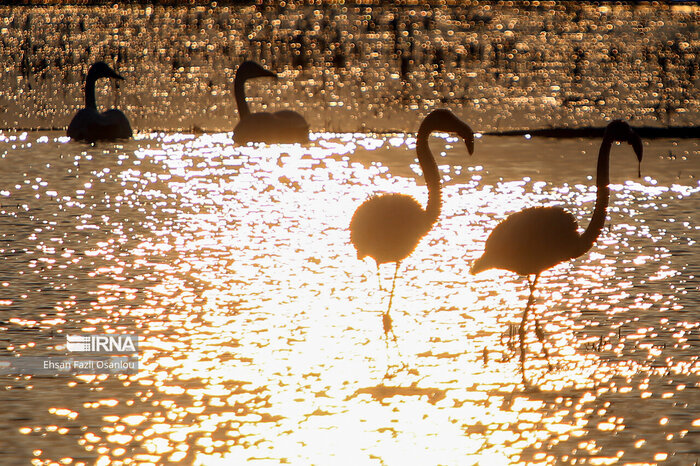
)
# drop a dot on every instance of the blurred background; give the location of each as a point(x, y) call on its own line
point(358, 66)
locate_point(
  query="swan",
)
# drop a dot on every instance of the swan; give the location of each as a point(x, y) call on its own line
point(285, 126)
point(89, 124)
point(388, 228)
point(535, 239)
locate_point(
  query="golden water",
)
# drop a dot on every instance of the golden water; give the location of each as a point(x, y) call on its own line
point(261, 336)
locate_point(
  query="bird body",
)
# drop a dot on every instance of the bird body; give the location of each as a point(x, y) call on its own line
point(89, 124)
point(535, 239)
point(286, 127)
point(388, 228)
point(515, 244)
point(282, 127)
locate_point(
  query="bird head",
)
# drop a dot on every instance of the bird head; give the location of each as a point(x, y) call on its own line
point(250, 69)
point(619, 130)
point(101, 69)
point(444, 120)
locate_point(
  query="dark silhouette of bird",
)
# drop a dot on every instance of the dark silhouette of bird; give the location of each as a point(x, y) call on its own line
point(536, 239)
point(89, 124)
point(285, 126)
point(388, 228)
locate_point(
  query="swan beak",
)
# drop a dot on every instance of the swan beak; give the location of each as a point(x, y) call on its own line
point(468, 135)
point(115, 75)
point(636, 142)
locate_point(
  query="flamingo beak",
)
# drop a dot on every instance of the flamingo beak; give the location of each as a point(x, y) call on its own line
point(636, 142)
point(468, 135)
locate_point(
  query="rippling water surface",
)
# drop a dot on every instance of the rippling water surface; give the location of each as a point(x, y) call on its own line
point(261, 336)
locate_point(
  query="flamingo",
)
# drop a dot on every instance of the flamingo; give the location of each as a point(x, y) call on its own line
point(89, 124)
point(535, 239)
point(285, 126)
point(388, 228)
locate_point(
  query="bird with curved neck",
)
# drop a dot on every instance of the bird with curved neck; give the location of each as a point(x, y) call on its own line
point(388, 228)
point(282, 127)
point(536, 239)
point(89, 124)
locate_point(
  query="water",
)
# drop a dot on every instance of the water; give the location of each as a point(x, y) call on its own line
point(261, 332)
point(504, 67)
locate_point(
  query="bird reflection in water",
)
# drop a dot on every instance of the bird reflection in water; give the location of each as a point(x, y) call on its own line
point(536, 239)
point(388, 228)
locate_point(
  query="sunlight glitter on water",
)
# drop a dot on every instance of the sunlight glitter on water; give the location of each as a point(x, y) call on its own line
point(514, 66)
point(261, 331)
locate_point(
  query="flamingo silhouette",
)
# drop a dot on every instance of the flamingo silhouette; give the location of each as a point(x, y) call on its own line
point(281, 127)
point(89, 124)
point(536, 239)
point(388, 228)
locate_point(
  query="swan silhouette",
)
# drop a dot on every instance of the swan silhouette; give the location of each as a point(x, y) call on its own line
point(89, 124)
point(536, 239)
point(388, 228)
point(285, 126)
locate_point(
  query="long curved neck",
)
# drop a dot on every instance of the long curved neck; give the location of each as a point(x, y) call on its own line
point(431, 174)
point(90, 92)
point(239, 92)
point(601, 203)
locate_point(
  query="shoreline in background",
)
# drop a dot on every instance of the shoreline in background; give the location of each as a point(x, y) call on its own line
point(645, 132)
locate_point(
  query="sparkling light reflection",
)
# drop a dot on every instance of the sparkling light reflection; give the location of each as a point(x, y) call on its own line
point(261, 328)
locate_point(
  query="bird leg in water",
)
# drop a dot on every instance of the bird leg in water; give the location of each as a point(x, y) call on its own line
point(393, 285)
point(540, 336)
point(521, 332)
point(538, 330)
point(508, 337)
point(386, 318)
point(521, 329)
point(387, 323)
point(388, 327)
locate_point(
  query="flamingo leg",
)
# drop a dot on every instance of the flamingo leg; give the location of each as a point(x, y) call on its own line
point(388, 327)
point(538, 329)
point(521, 332)
point(386, 318)
point(508, 337)
point(540, 336)
point(521, 329)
